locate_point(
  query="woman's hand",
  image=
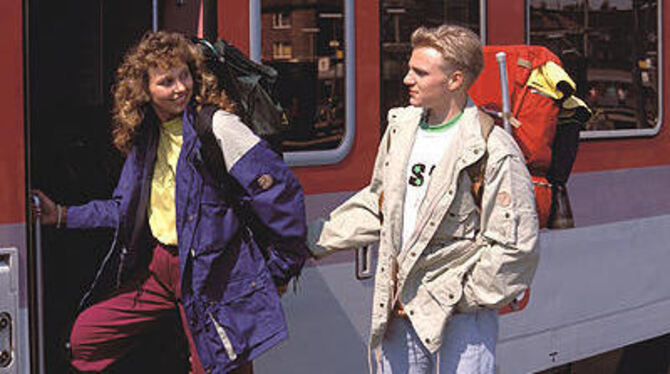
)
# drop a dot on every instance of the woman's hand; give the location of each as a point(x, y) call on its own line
point(47, 210)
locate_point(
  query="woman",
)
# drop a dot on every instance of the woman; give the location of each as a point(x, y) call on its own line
point(181, 241)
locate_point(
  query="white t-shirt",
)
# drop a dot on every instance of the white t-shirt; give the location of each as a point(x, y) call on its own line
point(429, 147)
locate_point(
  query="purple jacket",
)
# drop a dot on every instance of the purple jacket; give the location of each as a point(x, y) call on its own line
point(228, 292)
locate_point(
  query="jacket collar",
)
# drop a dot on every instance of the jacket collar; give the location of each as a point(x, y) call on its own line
point(470, 143)
point(188, 130)
point(468, 136)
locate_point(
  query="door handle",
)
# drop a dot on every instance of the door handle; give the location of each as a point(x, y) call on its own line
point(364, 262)
point(9, 303)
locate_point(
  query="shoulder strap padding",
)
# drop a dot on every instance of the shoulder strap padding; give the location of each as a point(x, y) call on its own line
point(477, 170)
point(211, 152)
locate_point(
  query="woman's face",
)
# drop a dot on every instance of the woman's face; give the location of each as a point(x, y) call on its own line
point(170, 90)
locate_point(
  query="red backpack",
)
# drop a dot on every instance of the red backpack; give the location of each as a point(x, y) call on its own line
point(535, 114)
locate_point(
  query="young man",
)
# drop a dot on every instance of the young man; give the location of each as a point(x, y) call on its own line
point(450, 254)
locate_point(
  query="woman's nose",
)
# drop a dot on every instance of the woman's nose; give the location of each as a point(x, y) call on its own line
point(179, 86)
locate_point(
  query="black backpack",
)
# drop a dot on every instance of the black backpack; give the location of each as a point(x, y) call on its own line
point(251, 86)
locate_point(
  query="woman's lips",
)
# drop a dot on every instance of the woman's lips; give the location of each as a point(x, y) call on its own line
point(180, 100)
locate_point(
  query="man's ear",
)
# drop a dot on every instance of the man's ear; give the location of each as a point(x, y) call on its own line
point(455, 81)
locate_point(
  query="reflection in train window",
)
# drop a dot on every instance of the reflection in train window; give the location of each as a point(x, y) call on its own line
point(610, 48)
point(281, 50)
point(399, 18)
point(281, 20)
point(304, 41)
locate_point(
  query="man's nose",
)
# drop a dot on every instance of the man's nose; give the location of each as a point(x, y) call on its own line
point(408, 79)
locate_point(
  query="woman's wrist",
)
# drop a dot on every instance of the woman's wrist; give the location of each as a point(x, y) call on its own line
point(61, 218)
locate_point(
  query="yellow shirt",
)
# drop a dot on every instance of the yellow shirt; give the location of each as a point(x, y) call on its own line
point(162, 212)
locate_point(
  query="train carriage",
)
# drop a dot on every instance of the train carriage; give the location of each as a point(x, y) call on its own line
point(600, 286)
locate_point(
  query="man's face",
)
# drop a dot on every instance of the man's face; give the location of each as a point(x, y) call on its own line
point(426, 79)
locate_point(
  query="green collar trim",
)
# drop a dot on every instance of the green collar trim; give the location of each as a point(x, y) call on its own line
point(439, 128)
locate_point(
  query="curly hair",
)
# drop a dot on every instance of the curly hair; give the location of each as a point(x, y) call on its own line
point(157, 50)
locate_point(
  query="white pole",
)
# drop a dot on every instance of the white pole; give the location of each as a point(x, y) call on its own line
point(154, 15)
point(39, 290)
point(255, 30)
point(504, 90)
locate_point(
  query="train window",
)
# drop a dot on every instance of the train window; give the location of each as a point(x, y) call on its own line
point(308, 43)
point(399, 18)
point(611, 49)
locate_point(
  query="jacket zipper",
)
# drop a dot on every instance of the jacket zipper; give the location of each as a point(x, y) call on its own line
point(227, 345)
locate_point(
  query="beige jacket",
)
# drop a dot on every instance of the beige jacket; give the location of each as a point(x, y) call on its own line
point(458, 259)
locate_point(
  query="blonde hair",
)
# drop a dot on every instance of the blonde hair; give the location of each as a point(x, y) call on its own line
point(159, 50)
point(459, 46)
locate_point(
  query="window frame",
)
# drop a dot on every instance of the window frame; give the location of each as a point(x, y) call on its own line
point(483, 32)
point(278, 49)
point(281, 22)
point(627, 133)
point(327, 156)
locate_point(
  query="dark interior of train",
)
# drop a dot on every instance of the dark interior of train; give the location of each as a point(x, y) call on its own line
point(74, 48)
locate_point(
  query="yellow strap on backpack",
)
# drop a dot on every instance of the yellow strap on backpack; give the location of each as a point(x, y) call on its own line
point(545, 79)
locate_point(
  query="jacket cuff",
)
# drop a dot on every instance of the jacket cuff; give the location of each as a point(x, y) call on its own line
point(314, 230)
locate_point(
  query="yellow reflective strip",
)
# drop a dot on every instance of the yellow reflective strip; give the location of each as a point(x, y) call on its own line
point(227, 345)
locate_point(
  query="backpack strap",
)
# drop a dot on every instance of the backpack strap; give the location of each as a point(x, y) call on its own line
point(477, 170)
point(212, 154)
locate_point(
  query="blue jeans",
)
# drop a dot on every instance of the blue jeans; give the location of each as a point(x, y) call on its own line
point(468, 347)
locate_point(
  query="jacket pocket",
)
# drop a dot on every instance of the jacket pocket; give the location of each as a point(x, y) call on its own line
point(216, 227)
point(446, 289)
point(249, 313)
point(501, 226)
point(458, 224)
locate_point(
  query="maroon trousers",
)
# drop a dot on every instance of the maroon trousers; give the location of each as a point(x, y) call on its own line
point(103, 333)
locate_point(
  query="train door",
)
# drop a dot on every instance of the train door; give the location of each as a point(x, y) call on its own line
point(73, 49)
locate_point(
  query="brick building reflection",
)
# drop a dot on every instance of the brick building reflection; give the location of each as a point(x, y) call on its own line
point(304, 41)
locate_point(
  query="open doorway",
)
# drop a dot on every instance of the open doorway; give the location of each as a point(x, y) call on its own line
point(73, 48)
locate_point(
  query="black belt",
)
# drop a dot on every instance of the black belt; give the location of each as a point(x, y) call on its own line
point(173, 249)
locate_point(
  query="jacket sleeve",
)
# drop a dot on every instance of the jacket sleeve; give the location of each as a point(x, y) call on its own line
point(272, 193)
point(102, 213)
point(509, 237)
point(357, 221)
